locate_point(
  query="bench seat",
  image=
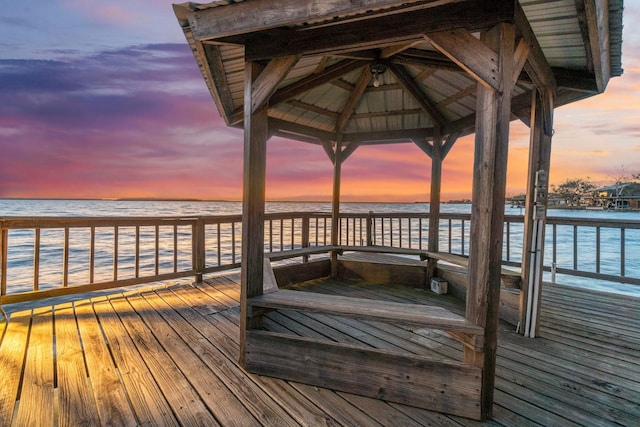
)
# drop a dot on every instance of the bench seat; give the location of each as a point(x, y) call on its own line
point(366, 309)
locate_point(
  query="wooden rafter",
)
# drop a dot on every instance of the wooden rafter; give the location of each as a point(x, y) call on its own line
point(330, 73)
point(354, 99)
point(268, 81)
point(414, 89)
point(457, 96)
point(296, 128)
point(390, 51)
point(468, 53)
point(213, 66)
point(389, 135)
point(313, 108)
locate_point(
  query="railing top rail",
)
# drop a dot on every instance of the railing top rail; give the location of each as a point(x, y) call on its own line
point(593, 222)
point(57, 222)
point(18, 222)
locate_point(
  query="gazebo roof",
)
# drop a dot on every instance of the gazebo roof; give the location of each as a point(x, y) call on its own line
point(329, 94)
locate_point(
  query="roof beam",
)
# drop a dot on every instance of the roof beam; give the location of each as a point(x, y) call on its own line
point(392, 29)
point(330, 73)
point(267, 82)
point(470, 54)
point(389, 135)
point(296, 128)
point(258, 15)
point(212, 66)
point(416, 91)
point(354, 99)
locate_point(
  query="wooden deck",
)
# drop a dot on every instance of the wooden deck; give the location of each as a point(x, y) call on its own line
point(168, 356)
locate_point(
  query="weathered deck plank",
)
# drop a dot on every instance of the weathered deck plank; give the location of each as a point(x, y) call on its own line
point(108, 391)
point(14, 346)
point(169, 355)
point(37, 379)
point(151, 408)
point(186, 403)
point(77, 407)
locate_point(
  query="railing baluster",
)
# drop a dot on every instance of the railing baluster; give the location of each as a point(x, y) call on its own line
point(508, 224)
point(575, 247)
point(293, 234)
point(200, 250)
point(270, 235)
point(92, 253)
point(115, 253)
point(598, 249)
point(622, 251)
point(219, 246)
point(462, 238)
point(233, 242)
point(157, 250)
point(449, 234)
point(65, 259)
point(137, 256)
point(4, 250)
point(555, 244)
point(175, 248)
point(36, 259)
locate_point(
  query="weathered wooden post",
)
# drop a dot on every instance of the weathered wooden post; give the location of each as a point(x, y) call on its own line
point(255, 160)
point(535, 209)
point(335, 207)
point(493, 113)
point(434, 203)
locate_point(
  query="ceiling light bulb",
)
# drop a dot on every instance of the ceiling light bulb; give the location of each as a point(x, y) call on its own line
point(376, 80)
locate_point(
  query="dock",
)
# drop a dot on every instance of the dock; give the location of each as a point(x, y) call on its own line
point(168, 355)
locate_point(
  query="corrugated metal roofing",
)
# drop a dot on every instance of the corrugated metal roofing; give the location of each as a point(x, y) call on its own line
point(559, 27)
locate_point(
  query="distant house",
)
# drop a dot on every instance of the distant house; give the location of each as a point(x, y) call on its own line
point(620, 196)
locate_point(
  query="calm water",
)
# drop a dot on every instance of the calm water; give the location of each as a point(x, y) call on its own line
point(21, 243)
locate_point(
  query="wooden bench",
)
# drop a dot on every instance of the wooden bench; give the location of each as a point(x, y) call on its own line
point(365, 309)
point(397, 376)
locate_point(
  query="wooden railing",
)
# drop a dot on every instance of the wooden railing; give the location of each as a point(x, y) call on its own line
point(86, 254)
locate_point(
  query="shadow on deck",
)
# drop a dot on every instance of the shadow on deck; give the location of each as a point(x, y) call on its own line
point(168, 356)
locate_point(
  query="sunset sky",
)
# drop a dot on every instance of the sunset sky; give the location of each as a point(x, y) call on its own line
point(103, 99)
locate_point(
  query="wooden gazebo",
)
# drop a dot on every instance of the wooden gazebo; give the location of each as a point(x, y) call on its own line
point(340, 74)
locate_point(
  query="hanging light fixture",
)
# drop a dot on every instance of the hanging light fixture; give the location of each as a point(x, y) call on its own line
point(377, 69)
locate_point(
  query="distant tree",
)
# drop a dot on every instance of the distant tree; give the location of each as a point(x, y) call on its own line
point(573, 190)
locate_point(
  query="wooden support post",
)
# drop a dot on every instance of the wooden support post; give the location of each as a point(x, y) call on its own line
point(434, 202)
point(535, 210)
point(493, 113)
point(254, 172)
point(335, 207)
